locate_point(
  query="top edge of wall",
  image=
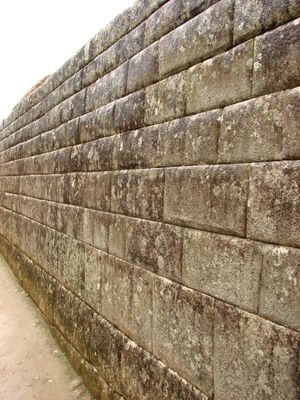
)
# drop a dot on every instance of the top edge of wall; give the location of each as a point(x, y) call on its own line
point(121, 25)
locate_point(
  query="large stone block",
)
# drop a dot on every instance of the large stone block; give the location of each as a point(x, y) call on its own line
point(202, 37)
point(220, 81)
point(138, 193)
point(127, 300)
point(254, 358)
point(255, 16)
point(143, 69)
point(130, 112)
point(166, 99)
point(276, 59)
point(252, 130)
point(207, 197)
point(280, 286)
point(155, 246)
point(96, 190)
point(117, 235)
point(224, 267)
point(134, 149)
point(189, 141)
point(291, 131)
point(183, 332)
point(274, 206)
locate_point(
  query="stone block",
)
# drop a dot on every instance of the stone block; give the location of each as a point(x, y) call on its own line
point(96, 191)
point(274, 206)
point(280, 286)
point(256, 16)
point(252, 130)
point(138, 193)
point(183, 332)
point(211, 198)
point(291, 130)
point(166, 99)
point(127, 300)
point(117, 235)
point(130, 112)
point(224, 267)
point(131, 44)
point(200, 38)
point(189, 141)
point(100, 154)
point(276, 59)
point(155, 246)
point(143, 69)
point(133, 151)
point(94, 263)
point(254, 358)
point(220, 81)
point(106, 89)
point(97, 124)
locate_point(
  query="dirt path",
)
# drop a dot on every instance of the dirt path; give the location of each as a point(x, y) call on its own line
point(31, 364)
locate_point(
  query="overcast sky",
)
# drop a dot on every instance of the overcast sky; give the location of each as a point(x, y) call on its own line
point(38, 36)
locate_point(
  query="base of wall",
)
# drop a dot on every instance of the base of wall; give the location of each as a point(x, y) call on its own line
point(112, 366)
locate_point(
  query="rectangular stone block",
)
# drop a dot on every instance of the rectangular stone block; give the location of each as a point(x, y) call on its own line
point(106, 89)
point(100, 154)
point(274, 206)
point(143, 69)
point(256, 16)
point(280, 286)
point(202, 37)
point(96, 191)
point(127, 300)
point(93, 285)
point(130, 112)
point(155, 246)
point(224, 267)
point(211, 198)
point(138, 149)
point(220, 81)
point(166, 99)
point(183, 332)
point(191, 140)
point(254, 358)
point(138, 193)
point(252, 130)
point(276, 59)
point(291, 130)
point(117, 235)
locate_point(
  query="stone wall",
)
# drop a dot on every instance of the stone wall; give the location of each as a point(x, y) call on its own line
point(149, 202)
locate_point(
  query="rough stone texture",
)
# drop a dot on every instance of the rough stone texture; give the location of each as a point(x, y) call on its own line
point(224, 267)
point(274, 208)
point(175, 116)
point(255, 16)
point(210, 198)
point(280, 286)
point(254, 359)
point(276, 60)
point(201, 37)
point(220, 81)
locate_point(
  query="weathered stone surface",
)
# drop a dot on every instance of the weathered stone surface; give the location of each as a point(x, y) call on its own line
point(210, 198)
point(133, 151)
point(224, 267)
point(276, 60)
point(189, 140)
point(254, 359)
point(280, 286)
point(166, 99)
point(274, 207)
point(106, 89)
point(94, 263)
point(155, 246)
point(256, 16)
point(220, 81)
point(130, 112)
point(143, 69)
point(183, 332)
point(252, 130)
point(127, 300)
point(200, 38)
point(96, 192)
point(117, 236)
point(138, 193)
point(291, 131)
